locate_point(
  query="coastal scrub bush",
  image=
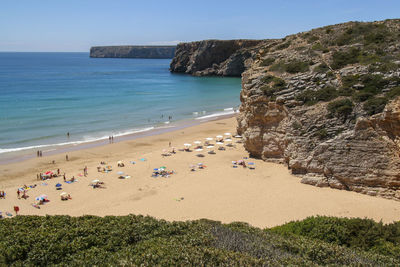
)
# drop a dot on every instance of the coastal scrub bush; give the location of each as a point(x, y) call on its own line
point(284, 45)
point(321, 68)
point(364, 234)
point(375, 105)
point(310, 97)
point(319, 47)
point(343, 58)
point(394, 92)
point(274, 84)
point(268, 61)
point(296, 66)
point(367, 33)
point(322, 133)
point(144, 241)
point(340, 108)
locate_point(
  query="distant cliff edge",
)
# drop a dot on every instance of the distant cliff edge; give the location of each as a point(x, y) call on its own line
point(126, 51)
point(214, 57)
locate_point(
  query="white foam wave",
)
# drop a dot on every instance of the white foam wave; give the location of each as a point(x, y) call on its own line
point(74, 143)
point(217, 114)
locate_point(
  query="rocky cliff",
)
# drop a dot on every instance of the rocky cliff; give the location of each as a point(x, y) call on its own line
point(326, 103)
point(214, 57)
point(132, 51)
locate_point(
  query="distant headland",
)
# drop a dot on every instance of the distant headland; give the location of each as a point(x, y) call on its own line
point(133, 51)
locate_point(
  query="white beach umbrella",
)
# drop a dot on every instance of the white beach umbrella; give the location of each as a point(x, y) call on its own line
point(199, 149)
point(219, 136)
point(95, 181)
point(197, 142)
point(227, 134)
point(63, 194)
point(228, 140)
point(238, 136)
point(219, 143)
point(187, 145)
point(209, 139)
point(210, 147)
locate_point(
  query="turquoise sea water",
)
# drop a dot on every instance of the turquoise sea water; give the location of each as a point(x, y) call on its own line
point(45, 95)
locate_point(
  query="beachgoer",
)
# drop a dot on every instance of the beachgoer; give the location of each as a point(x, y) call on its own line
point(40, 153)
point(169, 144)
point(58, 171)
point(66, 157)
point(18, 194)
point(68, 134)
point(37, 153)
point(54, 162)
point(64, 176)
point(112, 138)
point(16, 209)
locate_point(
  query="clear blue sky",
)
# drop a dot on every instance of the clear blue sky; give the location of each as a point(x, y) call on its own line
point(75, 25)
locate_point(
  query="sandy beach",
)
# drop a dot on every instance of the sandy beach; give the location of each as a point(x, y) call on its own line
point(266, 196)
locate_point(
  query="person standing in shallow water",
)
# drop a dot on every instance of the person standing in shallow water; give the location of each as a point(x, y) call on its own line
point(68, 134)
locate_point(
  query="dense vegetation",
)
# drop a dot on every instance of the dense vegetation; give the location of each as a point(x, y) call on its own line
point(138, 240)
point(294, 66)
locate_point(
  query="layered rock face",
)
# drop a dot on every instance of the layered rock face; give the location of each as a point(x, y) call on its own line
point(213, 57)
point(327, 104)
point(126, 51)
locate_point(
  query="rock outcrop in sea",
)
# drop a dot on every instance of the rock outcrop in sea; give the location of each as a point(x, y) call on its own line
point(213, 57)
point(325, 102)
point(127, 51)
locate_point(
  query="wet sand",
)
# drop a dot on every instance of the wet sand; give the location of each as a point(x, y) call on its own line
point(266, 196)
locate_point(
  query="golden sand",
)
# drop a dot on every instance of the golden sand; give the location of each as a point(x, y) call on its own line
point(266, 196)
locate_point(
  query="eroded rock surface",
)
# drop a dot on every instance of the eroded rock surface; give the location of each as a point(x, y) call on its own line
point(213, 57)
point(326, 103)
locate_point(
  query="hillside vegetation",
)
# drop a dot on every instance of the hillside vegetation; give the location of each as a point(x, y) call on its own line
point(138, 240)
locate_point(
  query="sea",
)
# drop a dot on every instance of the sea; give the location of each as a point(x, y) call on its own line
point(44, 96)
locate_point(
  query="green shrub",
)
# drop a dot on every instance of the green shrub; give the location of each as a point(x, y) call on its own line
point(321, 68)
point(310, 97)
point(144, 241)
point(296, 66)
point(343, 58)
point(368, 33)
point(375, 105)
point(340, 108)
point(364, 234)
point(362, 96)
point(292, 67)
point(284, 45)
point(322, 133)
point(268, 90)
point(394, 92)
point(319, 47)
point(278, 66)
point(268, 61)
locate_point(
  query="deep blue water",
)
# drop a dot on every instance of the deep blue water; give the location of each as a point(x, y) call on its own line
point(45, 95)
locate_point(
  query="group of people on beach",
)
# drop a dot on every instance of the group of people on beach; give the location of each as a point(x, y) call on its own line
point(111, 139)
point(2, 194)
point(39, 153)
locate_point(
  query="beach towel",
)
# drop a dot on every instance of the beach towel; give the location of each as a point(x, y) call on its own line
point(44, 184)
point(35, 206)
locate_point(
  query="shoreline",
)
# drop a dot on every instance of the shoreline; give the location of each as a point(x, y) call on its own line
point(266, 196)
point(178, 125)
